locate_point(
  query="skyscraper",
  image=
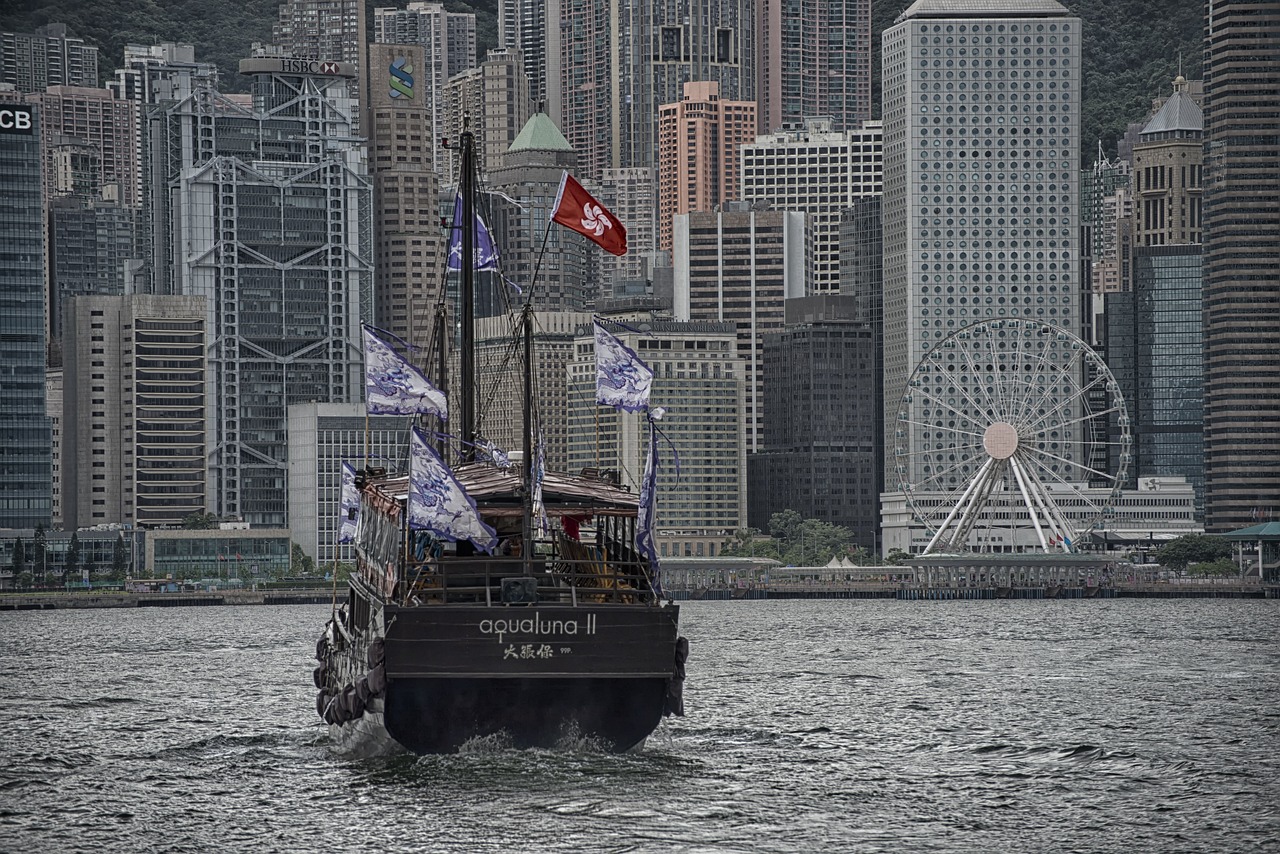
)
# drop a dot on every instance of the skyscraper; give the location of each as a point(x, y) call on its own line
point(47, 57)
point(530, 173)
point(1241, 262)
point(619, 61)
point(25, 432)
point(98, 120)
point(981, 142)
point(739, 266)
point(321, 29)
point(135, 419)
point(268, 217)
point(815, 60)
point(698, 381)
point(448, 40)
point(408, 240)
point(698, 141)
point(820, 172)
point(819, 455)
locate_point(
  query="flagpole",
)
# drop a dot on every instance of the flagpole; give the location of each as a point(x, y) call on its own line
point(528, 297)
point(466, 273)
point(527, 551)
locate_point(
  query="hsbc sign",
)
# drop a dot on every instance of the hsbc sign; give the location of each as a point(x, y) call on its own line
point(295, 65)
point(16, 120)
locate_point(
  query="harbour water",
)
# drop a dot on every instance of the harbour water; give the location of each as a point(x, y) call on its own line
point(1012, 726)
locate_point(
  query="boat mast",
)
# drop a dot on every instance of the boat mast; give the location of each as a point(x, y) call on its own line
point(466, 188)
point(529, 461)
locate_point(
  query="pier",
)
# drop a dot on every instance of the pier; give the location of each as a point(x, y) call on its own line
point(957, 577)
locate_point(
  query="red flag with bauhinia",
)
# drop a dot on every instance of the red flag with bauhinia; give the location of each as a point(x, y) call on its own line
point(576, 209)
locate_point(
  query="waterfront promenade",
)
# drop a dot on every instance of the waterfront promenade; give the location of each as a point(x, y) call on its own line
point(57, 600)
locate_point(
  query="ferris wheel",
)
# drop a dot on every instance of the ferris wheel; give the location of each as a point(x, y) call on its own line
point(1011, 431)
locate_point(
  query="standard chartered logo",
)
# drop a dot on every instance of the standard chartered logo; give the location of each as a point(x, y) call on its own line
point(401, 78)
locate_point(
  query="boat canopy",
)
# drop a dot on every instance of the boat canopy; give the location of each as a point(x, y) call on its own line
point(499, 492)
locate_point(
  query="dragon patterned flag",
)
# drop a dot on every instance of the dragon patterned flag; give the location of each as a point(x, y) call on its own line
point(539, 474)
point(439, 504)
point(484, 250)
point(578, 210)
point(648, 511)
point(349, 507)
point(622, 378)
point(392, 386)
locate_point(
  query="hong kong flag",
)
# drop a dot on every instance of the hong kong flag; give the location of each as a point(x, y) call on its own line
point(576, 209)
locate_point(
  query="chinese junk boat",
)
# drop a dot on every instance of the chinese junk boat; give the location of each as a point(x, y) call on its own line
point(492, 600)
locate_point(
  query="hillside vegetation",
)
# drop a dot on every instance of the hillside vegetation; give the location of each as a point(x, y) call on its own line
point(1131, 47)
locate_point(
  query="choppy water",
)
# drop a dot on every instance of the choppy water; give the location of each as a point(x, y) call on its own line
point(1113, 725)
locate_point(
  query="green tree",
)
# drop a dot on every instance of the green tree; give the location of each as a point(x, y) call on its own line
point(896, 557)
point(785, 526)
point(40, 555)
point(71, 568)
point(200, 521)
point(1223, 566)
point(119, 560)
point(300, 563)
point(1192, 548)
point(749, 542)
point(19, 557)
point(24, 579)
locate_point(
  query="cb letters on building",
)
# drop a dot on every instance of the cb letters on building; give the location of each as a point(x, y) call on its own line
point(15, 120)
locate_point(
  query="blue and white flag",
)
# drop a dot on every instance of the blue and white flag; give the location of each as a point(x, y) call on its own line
point(484, 250)
point(491, 453)
point(349, 506)
point(646, 517)
point(622, 378)
point(439, 504)
point(392, 386)
point(539, 474)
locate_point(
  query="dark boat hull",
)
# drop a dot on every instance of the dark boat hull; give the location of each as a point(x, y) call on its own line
point(538, 676)
point(442, 715)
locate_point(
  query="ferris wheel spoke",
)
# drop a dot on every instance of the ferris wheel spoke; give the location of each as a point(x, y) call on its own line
point(947, 406)
point(970, 460)
point(953, 430)
point(1091, 416)
point(1041, 360)
point(975, 373)
point(1081, 466)
point(1074, 395)
point(997, 379)
point(1075, 491)
point(947, 450)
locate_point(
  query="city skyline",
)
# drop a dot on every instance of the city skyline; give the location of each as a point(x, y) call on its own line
point(1002, 139)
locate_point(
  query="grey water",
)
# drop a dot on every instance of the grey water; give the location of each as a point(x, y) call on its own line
point(1011, 726)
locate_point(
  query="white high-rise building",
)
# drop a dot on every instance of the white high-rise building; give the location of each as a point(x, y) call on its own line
point(816, 171)
point(981, 114)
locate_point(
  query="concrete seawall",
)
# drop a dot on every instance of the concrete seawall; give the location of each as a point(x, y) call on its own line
point(62, 601)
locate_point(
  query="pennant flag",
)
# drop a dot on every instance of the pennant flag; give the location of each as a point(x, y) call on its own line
point(392, 386)
point(648, 511)
point(349, 506)
point(577, 210)
point(489, 452)
point(484, 250)
point(622, 377)
point(439, 504)
point(539, 473)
